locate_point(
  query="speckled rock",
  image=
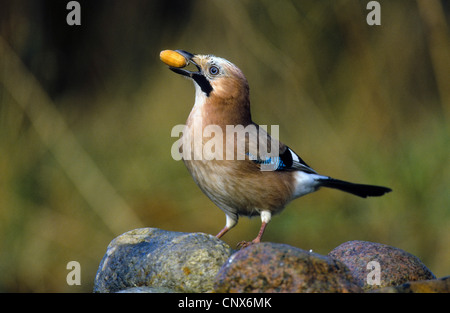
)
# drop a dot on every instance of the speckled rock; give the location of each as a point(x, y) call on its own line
point(441, 285)
point(181, 262)
point(395, 265)
point(271, 267)
point(147, 289)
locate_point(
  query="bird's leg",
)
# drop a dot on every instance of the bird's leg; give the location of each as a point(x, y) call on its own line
point(265, 219)
point(222, 232)
point(260, 234)
point(230, 223)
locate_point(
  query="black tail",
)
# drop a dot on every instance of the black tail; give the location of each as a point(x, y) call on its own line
point(356, 189)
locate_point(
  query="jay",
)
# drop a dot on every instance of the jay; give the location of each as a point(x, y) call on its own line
point(250, 181)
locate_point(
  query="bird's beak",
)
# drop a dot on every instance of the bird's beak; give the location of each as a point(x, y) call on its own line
point(196, 76)
point(189, 60)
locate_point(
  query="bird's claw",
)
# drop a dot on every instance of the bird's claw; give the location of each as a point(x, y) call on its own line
point(245, 244)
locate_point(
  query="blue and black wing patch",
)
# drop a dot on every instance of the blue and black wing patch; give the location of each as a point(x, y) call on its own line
point(270, 163)
point(286, 161)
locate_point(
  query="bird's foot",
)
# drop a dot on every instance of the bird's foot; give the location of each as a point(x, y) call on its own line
point(245, 244)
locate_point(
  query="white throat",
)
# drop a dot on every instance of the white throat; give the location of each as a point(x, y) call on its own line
point(200, 96)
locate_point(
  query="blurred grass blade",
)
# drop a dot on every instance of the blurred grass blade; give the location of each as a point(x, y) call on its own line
point(58, 138)
point(439, 44)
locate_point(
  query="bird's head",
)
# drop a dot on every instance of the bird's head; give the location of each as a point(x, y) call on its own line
point(216, 77)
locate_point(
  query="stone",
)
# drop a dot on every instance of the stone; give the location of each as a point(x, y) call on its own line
point(162, 260)
point(147, 289)
point(395, 265)
point(441, 285)
point(272, 267)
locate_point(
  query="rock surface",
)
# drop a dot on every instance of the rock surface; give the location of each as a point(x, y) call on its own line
point(441, 285)
point(395, 265)
point(155, 260)
point(183, 262)
point(271, 267)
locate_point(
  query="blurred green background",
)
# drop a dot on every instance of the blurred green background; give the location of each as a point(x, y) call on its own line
point(86, 114)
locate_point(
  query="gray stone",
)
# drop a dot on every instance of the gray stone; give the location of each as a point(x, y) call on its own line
point(272, 267)
point(181, 262)
point(396, 266)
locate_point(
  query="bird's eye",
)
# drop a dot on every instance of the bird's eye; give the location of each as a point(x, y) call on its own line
point(213, 70)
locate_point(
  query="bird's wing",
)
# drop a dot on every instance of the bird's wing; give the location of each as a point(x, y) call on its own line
point(281, 159)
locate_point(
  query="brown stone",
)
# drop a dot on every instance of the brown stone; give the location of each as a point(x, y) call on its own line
point(396, 266)
point(271, 267)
